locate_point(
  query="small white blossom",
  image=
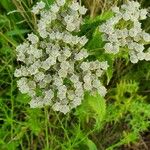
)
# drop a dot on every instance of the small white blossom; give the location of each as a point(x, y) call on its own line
point(85, 66)
point(102, 90)
point(55, 8)
point(82, 10)
point(143, 14)
point(38, 7)
point(147, 56)
point(128, 36)
point(56, 70)
point(39, 76)
point(75, 6)
point(146, 36)
point(61, 2)
point(71, 27)
point(33, 38)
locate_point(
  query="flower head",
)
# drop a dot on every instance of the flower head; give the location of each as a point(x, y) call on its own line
point(123, 31)
point(56, 68)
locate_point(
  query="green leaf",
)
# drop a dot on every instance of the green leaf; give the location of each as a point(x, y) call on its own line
point(106, 15)
point(23, 98)
point(33, 120)
point(17, 32)
point(92, 107)
point(91, 145)
point(90, 25)
point(96, 43)
point(7, 4)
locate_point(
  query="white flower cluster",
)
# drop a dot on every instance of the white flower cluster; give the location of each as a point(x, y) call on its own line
point(124, 30)
point(55, 68)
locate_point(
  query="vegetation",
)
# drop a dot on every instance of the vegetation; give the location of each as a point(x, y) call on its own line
point(119, 121)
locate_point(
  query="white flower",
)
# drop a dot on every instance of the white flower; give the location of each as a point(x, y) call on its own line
point(42, 84)
point(31, 84)
point(82, 54)
point(38, 7)
point(133, 59)
point(126, 16)
point(22, 85)
point(147, 56)
point(143, 13)
point(115, 49)
point(58, 81)
point(123, 31)
point(41, 5)
point(99, 72)
point(88, 86)
point(54, 62)
point(39, 76)
point(87, 78)
point(61, 2)
point(62, 108)
point(36, 102)
point(61, 58)
point(79, 91)
point(104, 65)
point(113, 38)
point(85, 66)
point(62, 73)
point(33, 69)
point(139, 47)
point(68, 19)
point(18, 73)
point(102, 90)
point(55, 8)
point(33, 38)
point(133, 32)
point(67, 52)
point(61, 94)
point(45, 64)
point(115, 9)
point(82, 10)
point(74, 78)
point(75, 6)
point(64, 65)
point(146, 36)
point(141, 56)
point(108, 47)
point(96, 83)
point(71, 27)
point(83, 40)
point(76, 102)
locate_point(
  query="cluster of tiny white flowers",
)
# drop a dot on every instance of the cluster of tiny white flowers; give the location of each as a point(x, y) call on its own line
point(123, 31)
point(55, 68)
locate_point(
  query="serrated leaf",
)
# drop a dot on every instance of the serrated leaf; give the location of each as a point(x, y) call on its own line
point(92, 107)
point(96, 43)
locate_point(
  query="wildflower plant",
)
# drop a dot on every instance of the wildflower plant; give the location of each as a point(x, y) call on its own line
point(123, 32)
point(55, 67)
point(62, 63)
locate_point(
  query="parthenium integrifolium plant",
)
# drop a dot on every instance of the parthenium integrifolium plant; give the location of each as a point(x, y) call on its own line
point(55, 68)
point(123, 32)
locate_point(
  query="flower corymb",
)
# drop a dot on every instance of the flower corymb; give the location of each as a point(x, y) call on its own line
point(55, 67)
point(123, 31)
